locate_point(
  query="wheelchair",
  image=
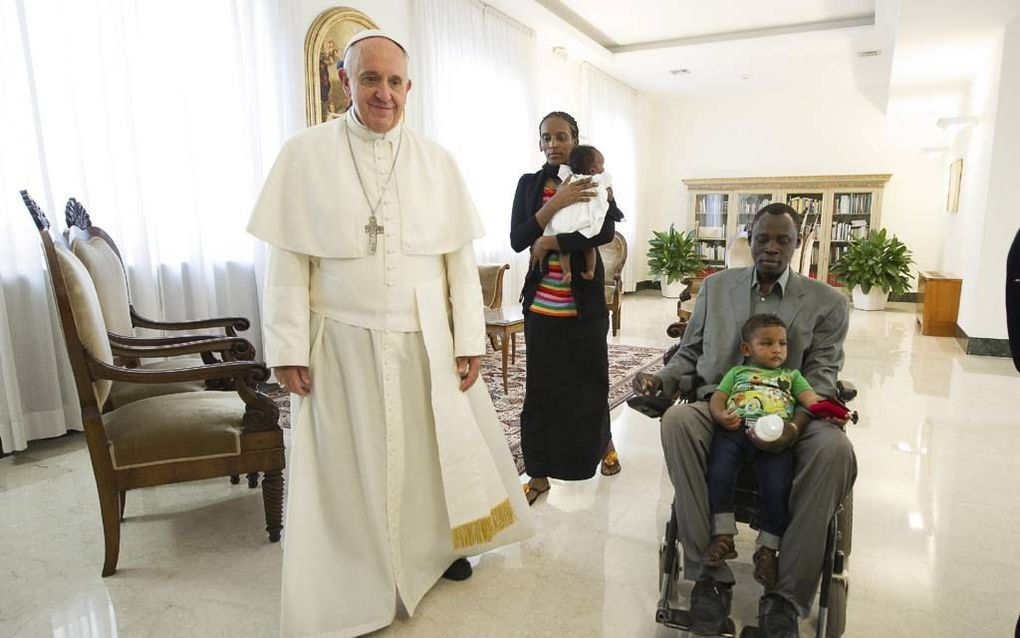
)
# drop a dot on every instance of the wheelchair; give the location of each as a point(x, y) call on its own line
point(835, 579)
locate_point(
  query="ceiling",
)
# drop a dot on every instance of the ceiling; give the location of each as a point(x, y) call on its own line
point(744, 46)
point(731, 46)
point(643, 21)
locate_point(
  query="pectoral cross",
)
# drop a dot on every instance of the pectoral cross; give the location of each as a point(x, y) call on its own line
point(373, 230)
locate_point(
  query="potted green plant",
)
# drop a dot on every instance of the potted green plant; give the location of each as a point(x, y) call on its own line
point(874, 266)
point(672, 256)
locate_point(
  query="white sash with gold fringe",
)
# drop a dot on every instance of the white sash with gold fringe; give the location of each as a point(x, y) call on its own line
point(477, 500)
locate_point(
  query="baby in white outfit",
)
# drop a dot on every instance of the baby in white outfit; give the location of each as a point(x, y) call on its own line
point(583, 217)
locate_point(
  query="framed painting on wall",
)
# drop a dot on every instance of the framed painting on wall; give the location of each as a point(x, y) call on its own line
point(324, 48)
point(955, 177)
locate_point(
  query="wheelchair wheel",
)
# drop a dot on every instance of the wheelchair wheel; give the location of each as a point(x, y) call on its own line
point(836, 622)
point(845, 525)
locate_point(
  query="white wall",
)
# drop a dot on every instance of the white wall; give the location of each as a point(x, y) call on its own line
point(792, 133)
point(990, 193)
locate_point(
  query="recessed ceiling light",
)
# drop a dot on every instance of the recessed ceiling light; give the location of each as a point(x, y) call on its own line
point(956, 122)
point(680, 71)
point(869, 54)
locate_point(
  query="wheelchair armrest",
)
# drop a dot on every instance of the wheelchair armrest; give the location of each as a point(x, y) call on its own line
point(845, 391)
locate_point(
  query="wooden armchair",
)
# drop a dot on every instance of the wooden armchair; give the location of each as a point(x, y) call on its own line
point(614, 256)
point(170, 438)
point(101, 258)
point(98, 252)
point(491, 278)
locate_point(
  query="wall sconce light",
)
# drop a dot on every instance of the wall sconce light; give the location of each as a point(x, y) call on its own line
point(561, 53)
point(953, 124)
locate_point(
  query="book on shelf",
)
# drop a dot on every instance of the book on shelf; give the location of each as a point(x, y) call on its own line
point(752, 204)
point(805, 205)
point(849, 230)
point(853, 204)
point(712, 252)
point(711, 232)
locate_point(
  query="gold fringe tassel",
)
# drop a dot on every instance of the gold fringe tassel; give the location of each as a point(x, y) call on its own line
point(482, 530)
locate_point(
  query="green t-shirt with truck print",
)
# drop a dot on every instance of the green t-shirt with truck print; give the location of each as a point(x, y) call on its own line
point(754, 392)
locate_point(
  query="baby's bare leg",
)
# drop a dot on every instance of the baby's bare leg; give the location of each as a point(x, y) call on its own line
point(589, 264)
point(565, 267)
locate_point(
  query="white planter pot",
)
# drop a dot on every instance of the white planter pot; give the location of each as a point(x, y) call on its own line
point(874, 300)
point(672, 290)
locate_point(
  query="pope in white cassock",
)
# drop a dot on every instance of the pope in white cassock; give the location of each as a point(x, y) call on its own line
point(373, 317)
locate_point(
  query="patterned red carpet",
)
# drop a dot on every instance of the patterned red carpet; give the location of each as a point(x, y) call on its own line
point(624, 363)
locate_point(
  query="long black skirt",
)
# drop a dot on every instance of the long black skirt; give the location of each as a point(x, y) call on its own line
point(565, 420)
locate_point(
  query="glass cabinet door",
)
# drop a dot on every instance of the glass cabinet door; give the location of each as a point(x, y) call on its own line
point(747, 205)
point(711, 214)
point(851, 219)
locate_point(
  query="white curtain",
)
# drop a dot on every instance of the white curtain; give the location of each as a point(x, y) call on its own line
point(611, 126)
point(161, 118)
point(473, 72)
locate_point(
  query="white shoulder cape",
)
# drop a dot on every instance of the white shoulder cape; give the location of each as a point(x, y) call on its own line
point(313, 204)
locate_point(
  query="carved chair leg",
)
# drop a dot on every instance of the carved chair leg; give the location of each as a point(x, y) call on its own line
point(109, 508)
point(492, 341)
point(234, 479)
point(272, 499)
point(253, 480)
point(123, 503)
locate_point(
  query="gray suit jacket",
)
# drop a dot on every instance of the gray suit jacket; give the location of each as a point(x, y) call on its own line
point(816, 317)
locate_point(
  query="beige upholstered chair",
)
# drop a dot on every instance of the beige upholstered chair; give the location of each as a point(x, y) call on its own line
point(738, 254)
point(801, 261)
point(98, 252)
point(614, 256)
point(169, 438)
point(491, 278)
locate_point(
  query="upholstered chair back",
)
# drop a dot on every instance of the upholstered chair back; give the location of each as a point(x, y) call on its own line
point(107, 273)
point(614, 257)
point(801, 261)
point(738, 255)
point(491, 278)
point(87, 312)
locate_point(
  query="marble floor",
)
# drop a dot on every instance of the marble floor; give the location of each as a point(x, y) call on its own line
point(936, 524)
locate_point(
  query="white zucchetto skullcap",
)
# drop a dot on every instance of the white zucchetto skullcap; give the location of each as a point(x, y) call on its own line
point(373, 33)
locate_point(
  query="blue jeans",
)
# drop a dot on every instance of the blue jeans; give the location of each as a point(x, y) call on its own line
point(728, 453)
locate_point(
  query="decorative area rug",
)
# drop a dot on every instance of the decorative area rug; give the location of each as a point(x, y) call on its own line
point(624, 363)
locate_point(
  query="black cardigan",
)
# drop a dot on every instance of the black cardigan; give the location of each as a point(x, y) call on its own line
point(589, 295)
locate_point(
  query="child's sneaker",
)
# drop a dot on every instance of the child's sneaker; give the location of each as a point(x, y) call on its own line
point(766, 567)
point(720, 550)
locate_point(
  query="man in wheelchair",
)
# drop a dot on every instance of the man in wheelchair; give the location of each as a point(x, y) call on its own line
point(825, 467)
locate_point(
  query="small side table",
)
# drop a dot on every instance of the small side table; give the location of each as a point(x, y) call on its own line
point(505, 324)
point(938, 303)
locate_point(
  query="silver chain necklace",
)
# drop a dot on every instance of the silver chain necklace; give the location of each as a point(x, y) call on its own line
point(372, 228)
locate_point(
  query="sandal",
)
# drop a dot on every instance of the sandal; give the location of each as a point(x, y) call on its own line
point(720, 550)
point(766, 567)
point(532, 493)
point(611, 464)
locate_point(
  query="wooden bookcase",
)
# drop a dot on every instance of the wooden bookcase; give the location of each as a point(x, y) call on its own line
point(838, 207)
